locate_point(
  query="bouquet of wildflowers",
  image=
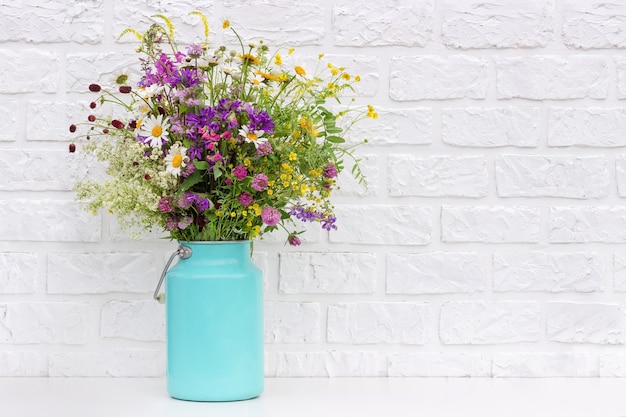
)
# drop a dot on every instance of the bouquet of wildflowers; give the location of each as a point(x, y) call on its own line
point(218, 144)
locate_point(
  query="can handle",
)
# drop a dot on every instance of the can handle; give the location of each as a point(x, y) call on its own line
point(184, 252)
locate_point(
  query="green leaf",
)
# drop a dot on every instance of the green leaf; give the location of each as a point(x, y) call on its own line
point(217, 172)
point(201, 165)
point(333, 129)
point(192, 180)
point(335, 139)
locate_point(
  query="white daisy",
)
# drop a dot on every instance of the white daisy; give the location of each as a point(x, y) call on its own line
point(176, 159)
point(155, 130)
point(252, 136)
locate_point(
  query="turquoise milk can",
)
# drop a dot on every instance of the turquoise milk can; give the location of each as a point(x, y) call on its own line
point(214, 322)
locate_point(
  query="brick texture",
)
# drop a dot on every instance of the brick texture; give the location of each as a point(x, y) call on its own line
point(486, 240)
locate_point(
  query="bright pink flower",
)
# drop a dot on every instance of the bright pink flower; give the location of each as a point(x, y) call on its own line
point(259, 182)
point(240, 172)
point(245, 199)
point(270, 216)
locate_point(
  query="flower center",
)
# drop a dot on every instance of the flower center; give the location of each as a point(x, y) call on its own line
point(177, 160)
point(252, 136)
point(157, 131)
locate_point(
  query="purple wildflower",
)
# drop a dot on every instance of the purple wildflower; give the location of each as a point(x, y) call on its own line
point(330, 171)
point(240, 172)
point(194, 50)
point(171, 223)
point(203, 204)
point(329, 223)
point(165, 205)
point(270, 216)
point(186, 200)
point(184, 222)
point(245, 199)
point(264, 149)
point(259, 182)
point(294, 240)
point(189, 169)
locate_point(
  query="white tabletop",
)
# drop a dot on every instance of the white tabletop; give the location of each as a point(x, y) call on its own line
point(362, 397)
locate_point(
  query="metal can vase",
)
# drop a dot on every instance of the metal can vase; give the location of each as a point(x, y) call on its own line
point(214, 323)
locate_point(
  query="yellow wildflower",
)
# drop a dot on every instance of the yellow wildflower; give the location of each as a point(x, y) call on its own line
point(293, 156)
point(278, 60)
point(226, 24)
point(300, 70)
point(371, 113)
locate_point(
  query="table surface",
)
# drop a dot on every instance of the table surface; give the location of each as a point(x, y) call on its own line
point(328, 397)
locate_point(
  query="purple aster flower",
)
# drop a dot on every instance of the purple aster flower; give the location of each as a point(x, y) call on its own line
point(330, 171)
point(259, 182)
point(240, 172)
point(270, 216)
point(245, 199)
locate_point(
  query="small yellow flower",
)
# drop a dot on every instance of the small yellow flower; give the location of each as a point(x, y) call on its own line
point(320, 56)
point(346, 76)
point(293, 156)
point(278, 60)
point(357, 78)
point(334, 71)
point(249, 59)
point(226, 24)
point(290, 51)
point(371, 113)
point(270, 192)
point(300, 70)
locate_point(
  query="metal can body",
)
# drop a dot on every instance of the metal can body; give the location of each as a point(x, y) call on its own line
point(214, 321)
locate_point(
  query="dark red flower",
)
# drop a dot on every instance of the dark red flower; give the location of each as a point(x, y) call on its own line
point(117, 124)
point(93, 104)
point(105, 131)
point(125, 89)
point(94, 87)
point(91, 118)
point(72, 128)
point(72, 148)
point(133, 124)
point(147, 177)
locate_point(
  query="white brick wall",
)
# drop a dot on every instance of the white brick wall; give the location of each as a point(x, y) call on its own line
point(487, 243)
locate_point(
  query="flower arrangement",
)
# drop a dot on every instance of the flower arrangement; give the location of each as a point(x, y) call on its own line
point(218, 144)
